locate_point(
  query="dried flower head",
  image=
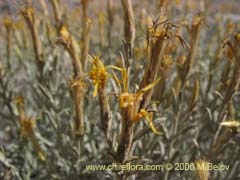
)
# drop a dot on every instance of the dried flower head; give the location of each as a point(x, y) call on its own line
point(230, 26)
point(19, 100)
point(166, 63)
point(7, 21)
point(65, 33)
point(28, 13)
point(27, 131)
point(19, 24)
point(27, 125)
point(197, 22)
point(78, 82)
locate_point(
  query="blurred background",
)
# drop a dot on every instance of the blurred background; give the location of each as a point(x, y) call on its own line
point(215, 6)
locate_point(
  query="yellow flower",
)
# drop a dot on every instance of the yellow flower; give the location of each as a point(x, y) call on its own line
point(98, 74)
point(130, 101)
point(149, 117)
point(126, 100)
